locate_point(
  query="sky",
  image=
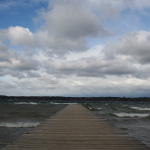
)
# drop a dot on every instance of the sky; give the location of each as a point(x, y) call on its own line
point(75, 48)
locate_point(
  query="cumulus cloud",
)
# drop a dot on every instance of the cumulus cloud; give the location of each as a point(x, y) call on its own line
point(128, 56)
point(68, 24)
point(60, 46)
point(4, 53)
point(116, 67)
point(71, 19)
point(136, 45)
point(95, 66)
point(18, 36)
point(15, 63)
point(123, 58)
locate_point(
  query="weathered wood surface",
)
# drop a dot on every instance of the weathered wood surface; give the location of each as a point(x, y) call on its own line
point(76, 128)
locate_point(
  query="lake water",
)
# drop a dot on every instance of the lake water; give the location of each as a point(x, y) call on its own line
point(132, 117)
point(17, 118)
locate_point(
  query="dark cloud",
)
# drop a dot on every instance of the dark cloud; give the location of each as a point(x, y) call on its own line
point(36, 64)
point(15, 63)
point(5, 53)
point(8, 85)
point(72, 19)
point(68, 24)
point(93, 67)
point(136, 45)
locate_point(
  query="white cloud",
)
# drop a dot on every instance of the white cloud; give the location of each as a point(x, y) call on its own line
point(19, 35)
point(119, 68)
point(16, 63)
point(111, 66)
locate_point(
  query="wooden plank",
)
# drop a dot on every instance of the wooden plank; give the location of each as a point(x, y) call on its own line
point(76, 128)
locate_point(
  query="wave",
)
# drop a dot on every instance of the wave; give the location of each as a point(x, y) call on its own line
point(98, 108)
point(35, 103)
point(62, 103)
point(19, 124)
point(130, 115)
point(139, 108)
point(22, 103)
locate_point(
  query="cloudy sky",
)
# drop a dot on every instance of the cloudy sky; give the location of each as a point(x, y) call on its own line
point(75, 48)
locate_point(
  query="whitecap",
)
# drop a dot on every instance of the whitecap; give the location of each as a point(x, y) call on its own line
point(139, 108)
point(131, 115)
point(19, 124)
point(63, 103)
point(22, 103)
point(98, 108)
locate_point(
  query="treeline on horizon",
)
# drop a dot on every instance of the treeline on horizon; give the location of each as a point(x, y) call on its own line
point(71, 99)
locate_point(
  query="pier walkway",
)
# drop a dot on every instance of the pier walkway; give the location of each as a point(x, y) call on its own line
point(76, 128)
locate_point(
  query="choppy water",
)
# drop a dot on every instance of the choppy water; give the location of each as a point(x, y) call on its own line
point(17, 118)
point(133, 118)
point(19, 124)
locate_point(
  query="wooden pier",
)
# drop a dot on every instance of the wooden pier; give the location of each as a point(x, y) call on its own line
point(76, 128)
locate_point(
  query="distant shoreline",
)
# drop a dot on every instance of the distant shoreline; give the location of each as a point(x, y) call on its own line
point(62, 99)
